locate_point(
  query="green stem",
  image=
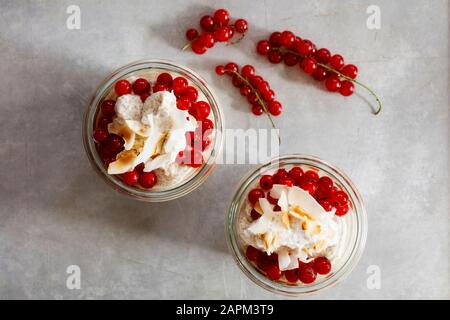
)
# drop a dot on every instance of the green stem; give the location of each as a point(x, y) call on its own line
point(260, 100)
point(380, 105)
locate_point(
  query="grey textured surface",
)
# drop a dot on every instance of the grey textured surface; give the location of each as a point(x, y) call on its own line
point(55, 212)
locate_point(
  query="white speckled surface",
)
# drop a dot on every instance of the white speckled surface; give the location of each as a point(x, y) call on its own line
point(54, 212)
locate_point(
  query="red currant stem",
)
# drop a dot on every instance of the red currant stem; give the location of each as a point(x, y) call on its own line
point(237, 41)
point(380, 105)
point(187, 45)
point(261, 101)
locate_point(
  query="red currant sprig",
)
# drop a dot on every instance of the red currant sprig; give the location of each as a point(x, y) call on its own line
point(319, 63)
point(257, 90)
point(215, 28)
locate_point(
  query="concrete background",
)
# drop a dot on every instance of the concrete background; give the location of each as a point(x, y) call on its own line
point(55, 212)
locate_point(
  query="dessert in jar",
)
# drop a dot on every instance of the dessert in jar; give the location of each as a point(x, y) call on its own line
point(153, 129)
point(296, 226)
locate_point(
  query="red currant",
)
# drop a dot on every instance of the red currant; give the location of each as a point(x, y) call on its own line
point(321, 265)
point(247, 71)
point(280, 174)
point(141, 86)
point(115, 143)
point(257, 110)
point(222, 34)
point(290, 59)
point(255, 214)
point(107, 108)
point(207, 39)
point(207, 125)
point(323, 55)
point(273, 272)
point(274, 108)
point(184, 103)
point(241, 25)
point(342, 210)
point(307, 274)
point(221, 17)
point(275, 56)
point(245, 90)
point(200, 110)
point(130, 178)
point(255, 194)
point(252, 253)
point(158, 87)
point(308, 65)
point(337, 62)
point(191, 93)
point(350, 70)
point(207, 23)
point(287, 38)
point(179, 84)
point(287, 181)
point(122, 87)
point(305, 48)
point(309, 186)
point(326, 205)
point(275, 39)
point(191, 34)
point(295, 174)
point(320, 73)
point(291, 275)
point(266, 182)
point(325, 184)
point(332, 83)
point(100, 135)
point(347, 88)
point(263, 47)
point(220, 70)
point(147, 179)
point(231, 66)
point(198, 47)
point(103, 123)
point(269, 95)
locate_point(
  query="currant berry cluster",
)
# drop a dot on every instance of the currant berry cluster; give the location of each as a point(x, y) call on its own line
point(257, 90)
point(319, 63)
point(321, 188)
point(306, 272)
point(109, 145)
point(216, 28)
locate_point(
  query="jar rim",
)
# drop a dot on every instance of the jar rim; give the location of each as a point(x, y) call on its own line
point(248, 268)
point(199, 176)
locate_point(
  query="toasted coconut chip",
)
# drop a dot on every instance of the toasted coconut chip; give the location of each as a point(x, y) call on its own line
point(298, 212)
point(120, 128)
point(284, 259)
point(124, 162)
point(266, 207)
point(301, 198)
point(258, 208)
point(138, 128)
point(320, 245)
point(261, 225)
point(283, 201)
point(270, 241)
point(160, 161)
point(276, 190)
point(285, 220)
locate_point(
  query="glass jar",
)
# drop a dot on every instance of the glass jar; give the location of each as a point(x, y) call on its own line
point(353, 231)
point(133, 70)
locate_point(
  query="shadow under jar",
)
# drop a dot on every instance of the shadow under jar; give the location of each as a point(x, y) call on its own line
point(150, 69)
point(352, 231)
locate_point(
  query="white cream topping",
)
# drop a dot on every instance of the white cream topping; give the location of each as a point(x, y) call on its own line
point(301, 230)
point(156, 129)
